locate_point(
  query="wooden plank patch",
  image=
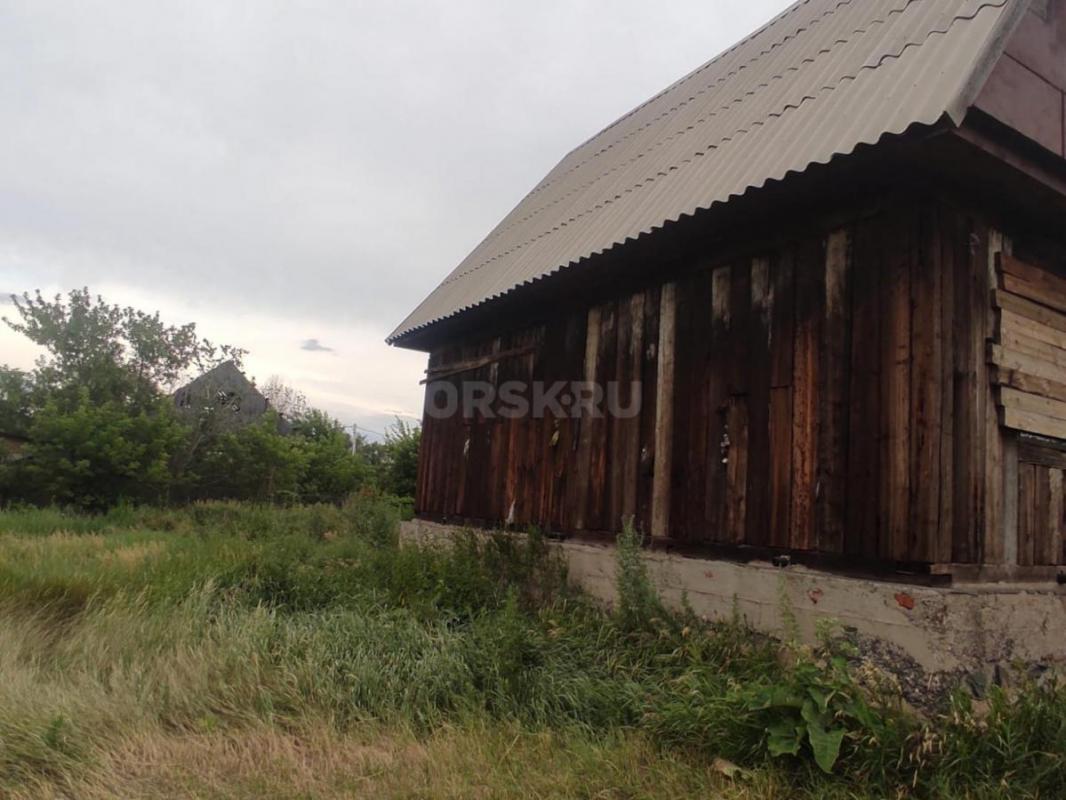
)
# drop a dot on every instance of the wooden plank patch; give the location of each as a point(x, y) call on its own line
point(1023, 343)
point(1005, 301)
point(1033, 423)
point(1019, 325)
point(1031, 403)
point(1031, 283)
point(1029, 383)
point(1035, 292)
point(1029, 353)
point(1009, 359)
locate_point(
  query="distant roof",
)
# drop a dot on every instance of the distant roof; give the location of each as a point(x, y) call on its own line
point(816, 82)
point(225, 373)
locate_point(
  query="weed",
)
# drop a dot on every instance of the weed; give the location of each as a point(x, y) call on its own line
point(639, 608)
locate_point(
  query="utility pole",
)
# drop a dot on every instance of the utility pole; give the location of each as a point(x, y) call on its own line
point(355, 438)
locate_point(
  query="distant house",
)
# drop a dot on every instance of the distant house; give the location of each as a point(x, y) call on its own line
point(225, 391)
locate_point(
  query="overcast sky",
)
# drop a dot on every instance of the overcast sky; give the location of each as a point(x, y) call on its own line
point(296, 176)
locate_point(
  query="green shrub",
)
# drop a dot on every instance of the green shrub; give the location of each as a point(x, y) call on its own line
point(92, 455)
point(374, 517)
point(639, 609)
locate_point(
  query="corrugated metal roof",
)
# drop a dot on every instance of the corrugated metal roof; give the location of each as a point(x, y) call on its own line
point(816, 82)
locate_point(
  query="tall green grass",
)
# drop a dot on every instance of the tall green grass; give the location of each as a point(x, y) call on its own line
point(223, 617)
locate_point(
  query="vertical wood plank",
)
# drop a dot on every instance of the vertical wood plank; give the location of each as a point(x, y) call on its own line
point(516, 443)
point(584, 423)
point(864, 519)
point(758, 478)
point(834, 391)
point(806, 384)
point(690, 407)
point(896, 409)
point(1007, 483)
point(460, 444)
point(548, 372)
point(942, 547)
point(627, 438)
point(969, 335)
point(782, 325)
point(565, 450)
point(737, 469)
point(1028, 513)
point(477, 491)
point(717, 405)
point(543, 457)
point(664, 422)
point(740, 349)
point(1054, 555)
point(601, 430)
point(529, 473)
point(1000, 463)
point(1048, 512)
point(618, 440)
point(500, 449)
point(649, 408)
point(926, 401)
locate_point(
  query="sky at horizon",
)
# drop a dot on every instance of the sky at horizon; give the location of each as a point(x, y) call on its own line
point(296, 179)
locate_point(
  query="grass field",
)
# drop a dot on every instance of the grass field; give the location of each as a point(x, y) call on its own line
point(229, 651)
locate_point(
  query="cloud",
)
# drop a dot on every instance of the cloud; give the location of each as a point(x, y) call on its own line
point(196, 156)
point(315, 346)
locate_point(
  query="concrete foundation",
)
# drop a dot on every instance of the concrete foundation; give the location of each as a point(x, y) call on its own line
point(928, 636)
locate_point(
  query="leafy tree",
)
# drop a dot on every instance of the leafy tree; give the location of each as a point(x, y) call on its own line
point(398, 472)
point(94, 455)
point(16, 401)
point(333, 471)
point(252, 463)
point(116, 354)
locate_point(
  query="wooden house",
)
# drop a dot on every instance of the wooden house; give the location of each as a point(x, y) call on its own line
point(830, 264)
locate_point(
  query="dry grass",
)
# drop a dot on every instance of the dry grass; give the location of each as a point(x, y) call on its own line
point(376, 762)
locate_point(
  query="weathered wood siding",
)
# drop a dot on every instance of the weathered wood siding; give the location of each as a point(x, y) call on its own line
point(828, 393)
